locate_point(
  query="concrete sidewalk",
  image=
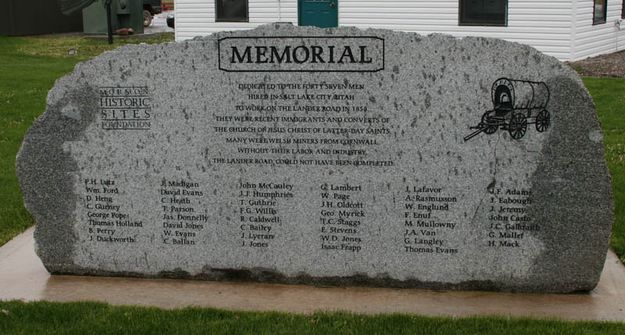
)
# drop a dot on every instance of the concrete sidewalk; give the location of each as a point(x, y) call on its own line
point(22, 276)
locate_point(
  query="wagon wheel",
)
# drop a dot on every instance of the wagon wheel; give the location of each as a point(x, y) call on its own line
point(487, 126)
point(518, 126)
point(543, 120)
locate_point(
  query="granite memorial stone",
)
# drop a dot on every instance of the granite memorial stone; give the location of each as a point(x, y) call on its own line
point(341, 156)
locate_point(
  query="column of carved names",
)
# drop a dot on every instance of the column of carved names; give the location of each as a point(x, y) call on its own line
point(107, 219)
point(426, 229)
point(342, 215)
point(259, 214)
point(507, 217)
point(183, 217)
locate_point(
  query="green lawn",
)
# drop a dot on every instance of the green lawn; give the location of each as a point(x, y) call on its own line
point(28, 69)
point(93, 318)
point(609, 96)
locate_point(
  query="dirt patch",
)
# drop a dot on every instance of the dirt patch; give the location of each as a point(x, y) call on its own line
point(610, 65)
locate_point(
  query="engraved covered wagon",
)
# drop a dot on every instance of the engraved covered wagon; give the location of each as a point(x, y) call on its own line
point(516, 104)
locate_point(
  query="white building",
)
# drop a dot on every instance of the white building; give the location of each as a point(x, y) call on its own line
point(566, 29)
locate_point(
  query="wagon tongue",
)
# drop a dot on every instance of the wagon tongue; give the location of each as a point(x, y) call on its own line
point(480, 128)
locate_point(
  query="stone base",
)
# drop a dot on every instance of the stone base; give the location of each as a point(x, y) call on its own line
point(22, 276)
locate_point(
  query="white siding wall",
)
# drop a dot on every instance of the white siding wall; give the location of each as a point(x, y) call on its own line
point(197, 17)
point(546, 25)
point(589, 40)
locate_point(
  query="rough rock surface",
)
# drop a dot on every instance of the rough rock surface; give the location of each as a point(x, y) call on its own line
point(340, 156)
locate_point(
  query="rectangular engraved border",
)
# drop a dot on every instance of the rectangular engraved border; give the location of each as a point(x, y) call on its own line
point(287, 37)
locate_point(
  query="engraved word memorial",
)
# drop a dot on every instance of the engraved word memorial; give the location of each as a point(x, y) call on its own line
point(302, 155)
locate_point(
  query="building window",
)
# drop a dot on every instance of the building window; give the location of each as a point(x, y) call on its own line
point(484, 12)
point(623, 10)
point(231, 11)
point(600, 12)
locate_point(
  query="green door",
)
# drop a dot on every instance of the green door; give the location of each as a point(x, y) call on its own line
point(318, 13)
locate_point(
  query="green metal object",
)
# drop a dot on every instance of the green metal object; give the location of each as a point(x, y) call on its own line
point(124, 14)
point(69, 7)
point(318, 13)
point(109, 24)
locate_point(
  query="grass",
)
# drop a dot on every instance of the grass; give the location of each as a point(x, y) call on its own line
point(609, 96)
point(78, 48)
point(28, 69)
point(96, 318)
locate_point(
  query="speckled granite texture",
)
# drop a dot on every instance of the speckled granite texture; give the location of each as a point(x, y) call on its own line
point(341, 156)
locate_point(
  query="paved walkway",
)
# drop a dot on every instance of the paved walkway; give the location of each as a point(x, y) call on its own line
point(22, 276)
